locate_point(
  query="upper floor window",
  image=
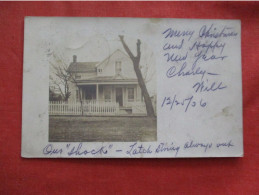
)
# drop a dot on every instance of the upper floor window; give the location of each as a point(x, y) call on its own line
point(117, 67)
point(77, 76)
point(100, 70)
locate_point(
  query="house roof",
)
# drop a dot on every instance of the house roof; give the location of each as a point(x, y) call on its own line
point(82, 67)
point(90, 66)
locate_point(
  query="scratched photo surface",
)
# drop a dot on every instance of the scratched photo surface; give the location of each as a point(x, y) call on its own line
point(132, 87)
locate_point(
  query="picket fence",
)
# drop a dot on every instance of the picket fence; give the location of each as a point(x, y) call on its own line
point(89, 108)
point(96, 108)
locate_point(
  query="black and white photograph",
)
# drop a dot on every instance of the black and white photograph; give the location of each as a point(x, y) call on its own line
point(103, 92)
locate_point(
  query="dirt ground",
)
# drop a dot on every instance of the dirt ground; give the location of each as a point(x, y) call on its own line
point(102, 129)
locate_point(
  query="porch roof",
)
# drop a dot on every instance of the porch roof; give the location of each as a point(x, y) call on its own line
point(108, 80)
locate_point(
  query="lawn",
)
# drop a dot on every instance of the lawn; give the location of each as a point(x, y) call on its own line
point(102, 129)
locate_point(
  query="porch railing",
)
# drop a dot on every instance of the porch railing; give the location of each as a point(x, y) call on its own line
point(88, 108)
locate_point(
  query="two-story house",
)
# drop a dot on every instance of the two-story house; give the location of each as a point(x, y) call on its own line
point(112, 80)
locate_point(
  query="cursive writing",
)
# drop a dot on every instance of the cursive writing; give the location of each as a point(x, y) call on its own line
point(206, 87)
point(175, 58)
point(170, 33)
point(225, 144)
point(214, 32)
point(50, 150)
point(205, 57)
point(169, 46)
point(184, 71)
point(192, 144)
point(136, 149)
point(212, 45)
point(164, 147)
point(78, 151)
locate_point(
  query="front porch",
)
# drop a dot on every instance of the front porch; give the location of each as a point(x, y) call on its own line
point(102, 100)
point(126, 95)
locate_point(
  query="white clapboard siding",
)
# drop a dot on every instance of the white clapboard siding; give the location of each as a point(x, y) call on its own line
point(89, 108)
point(139, 108)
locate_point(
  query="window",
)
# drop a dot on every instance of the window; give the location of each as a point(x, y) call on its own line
point(131, 94)
point(107, 95)
point(78, 76)
point(118, 67)
point(100, 70)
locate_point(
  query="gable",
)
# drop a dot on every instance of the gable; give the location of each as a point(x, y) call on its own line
point(108, 66)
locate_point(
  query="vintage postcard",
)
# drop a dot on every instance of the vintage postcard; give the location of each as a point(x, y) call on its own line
point(131, 88)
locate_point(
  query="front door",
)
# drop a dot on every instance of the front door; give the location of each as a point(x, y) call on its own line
point(119, 96)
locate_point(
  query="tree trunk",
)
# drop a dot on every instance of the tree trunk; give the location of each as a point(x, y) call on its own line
point(81, 101)
point(136, 60)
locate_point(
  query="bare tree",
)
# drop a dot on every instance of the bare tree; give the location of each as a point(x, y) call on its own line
point(135, 60)
point(60, 77)
point(63, 77)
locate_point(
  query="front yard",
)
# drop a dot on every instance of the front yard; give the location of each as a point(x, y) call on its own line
point(101, 129)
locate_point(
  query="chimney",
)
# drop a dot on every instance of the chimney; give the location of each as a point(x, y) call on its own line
point(74, 58)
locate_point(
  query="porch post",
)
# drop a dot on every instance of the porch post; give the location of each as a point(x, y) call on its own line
point(97, 92)
point(80, 93)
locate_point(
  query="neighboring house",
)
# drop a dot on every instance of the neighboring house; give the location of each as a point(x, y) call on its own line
point(112, 80)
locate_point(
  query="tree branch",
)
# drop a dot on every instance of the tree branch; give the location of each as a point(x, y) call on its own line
point(126, 48)
point(138, 51)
